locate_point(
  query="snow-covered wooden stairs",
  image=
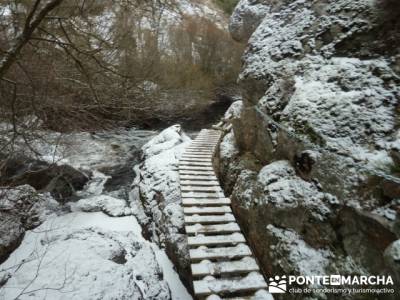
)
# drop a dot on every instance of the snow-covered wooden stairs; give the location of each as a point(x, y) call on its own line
point(223, 265)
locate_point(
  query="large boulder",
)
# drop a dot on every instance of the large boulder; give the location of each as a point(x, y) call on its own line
point(62, 181)
point(246, 17)
point(21, 209)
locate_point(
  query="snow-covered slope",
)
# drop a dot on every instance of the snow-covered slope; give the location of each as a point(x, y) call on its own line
point(92, 248)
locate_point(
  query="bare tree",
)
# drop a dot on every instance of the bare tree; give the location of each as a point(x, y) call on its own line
point(33, 20)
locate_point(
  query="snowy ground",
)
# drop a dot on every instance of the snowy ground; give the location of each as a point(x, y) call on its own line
point(97, 250)
point(90, 256)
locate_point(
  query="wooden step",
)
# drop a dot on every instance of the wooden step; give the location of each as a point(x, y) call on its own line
point(196, 154)
point(216, 228)
point(196, 160)
point(244, 265)
point(198, 178)
point(200, 151)
point(257, 295)
point(201, 210)
point(195, 163)
point(202, 195)
point(207, 151)
point(206, 189)
point(206, 202)
point(197, 157)
point(202, 154)
point(195, 168)
point(252, 282)
point(231, 239)
point(208, 136)
point(201, 253)
point(195, 147)
point(197, 173)
point(207, 159)
point(199, 183)
point(209, 219)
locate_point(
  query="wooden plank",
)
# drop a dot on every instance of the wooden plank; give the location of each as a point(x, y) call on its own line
point(206, 189)
point(207, 134)
point(199, 183)
point(209, 219)
point(244, 265)
point(202, 195)
point(252, 282)
point(257, 295)
point(195, 163)
point(195, 154)
point(191, 149)
point(197, 173)
point(215, 228)
point(206, 141)
point(202, 157)
point(200, 168)
point(206, 202)
point(209, 152)
point(237, 251)
point(206, 159)
point(231, 239)
point(209, 155)
point(197, 178)
point(200, 146)
point(201, 210)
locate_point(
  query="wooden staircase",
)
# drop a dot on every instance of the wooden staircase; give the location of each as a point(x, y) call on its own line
point(222, 263)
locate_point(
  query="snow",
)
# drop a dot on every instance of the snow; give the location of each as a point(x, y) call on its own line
point(90, 151)
point(300, 75)
point(228, 148)
point(88, 256)
point(160, 178)
point(155, 197)
point(178, 291)
point(283, 188)
point(246, 17)
point(109, 205)
point(97, 251)
point(302, 258)
point(234, 111)
point(166, 140)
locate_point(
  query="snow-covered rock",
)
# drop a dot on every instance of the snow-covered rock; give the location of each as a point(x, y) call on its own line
point(247, 16)
point(84, 256)
point(283, 188)
point(109, 205)
point(324, 77)
point(156, 194)
point(21, 208)
point(392, 258)
point(301, 258)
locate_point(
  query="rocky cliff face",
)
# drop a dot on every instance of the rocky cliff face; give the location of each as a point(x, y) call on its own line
point(318, 122)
